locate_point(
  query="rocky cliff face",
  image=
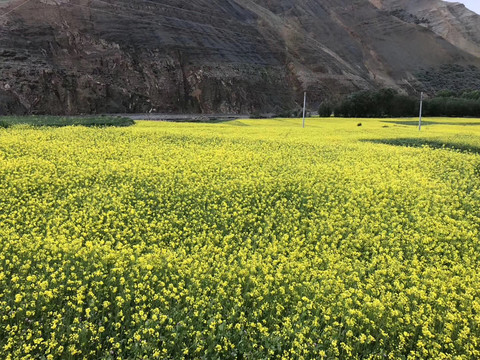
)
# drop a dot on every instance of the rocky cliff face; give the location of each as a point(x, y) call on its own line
point(90, 56)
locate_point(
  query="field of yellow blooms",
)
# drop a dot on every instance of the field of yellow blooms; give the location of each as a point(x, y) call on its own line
point(252, 239)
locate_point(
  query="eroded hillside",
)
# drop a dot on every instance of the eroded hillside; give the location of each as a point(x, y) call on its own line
point(89, 56)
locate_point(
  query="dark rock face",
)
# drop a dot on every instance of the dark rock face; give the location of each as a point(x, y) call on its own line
point(10, 104)
point(227, 56)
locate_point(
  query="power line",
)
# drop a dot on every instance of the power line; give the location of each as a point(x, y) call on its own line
point(15, 8)
point(170, 17)
point(149, 13)
point(242, 40)
point(216, 49)
point(319, 45)
point(188, 10)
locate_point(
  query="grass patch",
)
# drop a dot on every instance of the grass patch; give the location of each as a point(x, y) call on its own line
point(4, 124)
point(429, 122)
point(434, 144)
point(61, 121)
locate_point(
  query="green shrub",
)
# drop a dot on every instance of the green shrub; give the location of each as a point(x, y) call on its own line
point(4, 124)
point(61, 121)
point(389, 103)
point(326, 109)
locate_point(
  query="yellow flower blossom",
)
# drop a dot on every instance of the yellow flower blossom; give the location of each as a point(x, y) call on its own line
point(247, 239)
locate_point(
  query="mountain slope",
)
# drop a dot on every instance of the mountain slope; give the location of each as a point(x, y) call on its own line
point(86, 56)
point(452, 21)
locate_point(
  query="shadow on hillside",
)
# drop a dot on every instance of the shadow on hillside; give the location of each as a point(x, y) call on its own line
point(418, 143)
point(235, 123)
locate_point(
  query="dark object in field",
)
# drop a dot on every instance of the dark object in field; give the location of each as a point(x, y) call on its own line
point(359, 124)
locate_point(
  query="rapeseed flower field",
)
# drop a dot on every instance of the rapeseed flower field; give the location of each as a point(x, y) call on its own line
point(253, 239)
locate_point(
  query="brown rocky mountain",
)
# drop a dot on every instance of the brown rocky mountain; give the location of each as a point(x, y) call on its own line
point(90, 56)
point(452, 21)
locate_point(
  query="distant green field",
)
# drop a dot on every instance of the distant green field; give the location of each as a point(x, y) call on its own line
point(249, 239)
point(60, 121)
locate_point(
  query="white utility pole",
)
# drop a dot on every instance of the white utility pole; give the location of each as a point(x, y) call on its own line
point(304, 106)
point(421, 110)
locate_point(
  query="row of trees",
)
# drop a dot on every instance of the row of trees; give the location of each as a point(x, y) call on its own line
point(389, 103)
point(468, 94)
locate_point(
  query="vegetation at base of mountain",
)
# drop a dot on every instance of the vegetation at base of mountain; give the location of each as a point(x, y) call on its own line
point(389, 103)
point(467, 94)
point(456, 77)
point(380, 103)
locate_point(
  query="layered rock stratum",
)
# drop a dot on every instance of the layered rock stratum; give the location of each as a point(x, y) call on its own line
point(221, 56)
